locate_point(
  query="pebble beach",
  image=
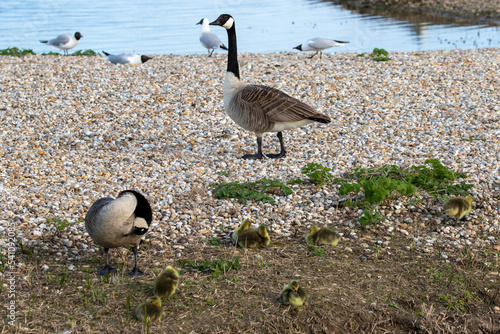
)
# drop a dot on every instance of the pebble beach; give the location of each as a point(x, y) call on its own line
point(75, 129)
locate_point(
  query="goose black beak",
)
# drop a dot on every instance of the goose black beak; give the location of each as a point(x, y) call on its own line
point(201, 21)
point(216, 22)
point(298, 47)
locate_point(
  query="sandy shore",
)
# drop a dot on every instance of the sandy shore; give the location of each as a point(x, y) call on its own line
point(74, 129)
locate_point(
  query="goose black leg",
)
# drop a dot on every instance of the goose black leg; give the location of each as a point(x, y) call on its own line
point(107, 268)
point(282, 146)
point(135, 271)
point(257, 155)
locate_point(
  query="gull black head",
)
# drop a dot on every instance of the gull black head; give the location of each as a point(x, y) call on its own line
point(224, 20)
point(145, 58)
point(298, 47)
point(78, 35)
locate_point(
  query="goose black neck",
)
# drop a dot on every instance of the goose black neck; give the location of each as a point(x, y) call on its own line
point(232, 56)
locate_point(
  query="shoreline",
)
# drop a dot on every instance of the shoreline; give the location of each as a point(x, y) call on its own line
point(475, 11)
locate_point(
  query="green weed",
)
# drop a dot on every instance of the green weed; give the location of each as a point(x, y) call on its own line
point(87, 52)
point(317, 251)
point(457, 301)
point(379, 55)
point(60, 223)
point(51, 53)
point(318, 174)
point(251, 191)
point(16, 52)
point(378, 184)
point(213, 241)
point(216, 268)
point(368, 217)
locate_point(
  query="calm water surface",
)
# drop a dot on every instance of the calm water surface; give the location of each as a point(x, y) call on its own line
point(169, 27)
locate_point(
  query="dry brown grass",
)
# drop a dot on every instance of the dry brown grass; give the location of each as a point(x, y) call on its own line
point(349, 292)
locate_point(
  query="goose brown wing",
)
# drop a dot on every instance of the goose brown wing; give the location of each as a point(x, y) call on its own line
point(279, 106)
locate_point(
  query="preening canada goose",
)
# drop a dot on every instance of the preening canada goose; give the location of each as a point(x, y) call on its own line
point(127, 58)
point(254, 238)
point(293, 294)
point(258, 108)
point(245, 225)
point(458, 207)
point(322, 236)
point(208, 39)
point(113, 223)
point(319, 44)
point(151, 308)
point(166, 283)
point(64, 41)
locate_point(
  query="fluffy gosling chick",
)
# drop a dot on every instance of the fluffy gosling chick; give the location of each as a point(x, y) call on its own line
point(254, 238)
point(166, 283)
point(151, 308)
point(458, 207)
point(245, 225)
point(322, 236)
point(293, 294)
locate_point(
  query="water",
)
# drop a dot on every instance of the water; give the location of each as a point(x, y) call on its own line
point(169, 27)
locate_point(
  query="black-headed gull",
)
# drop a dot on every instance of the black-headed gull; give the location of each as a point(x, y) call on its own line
point(64, 41)
point(319, 44)
point(127, 58)
point(208, 39)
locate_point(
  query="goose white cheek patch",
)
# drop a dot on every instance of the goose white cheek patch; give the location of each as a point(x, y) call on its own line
point(229, 23)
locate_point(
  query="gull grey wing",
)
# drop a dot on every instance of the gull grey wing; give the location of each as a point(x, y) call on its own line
point(60, 40)
point(210, 40)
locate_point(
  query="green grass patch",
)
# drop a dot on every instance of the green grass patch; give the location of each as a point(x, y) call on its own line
point(251, 191)
point(379, 184)
point(87, 52)
point(379, 55)
point(318, 174)
point(16, 52)
point(215, 268)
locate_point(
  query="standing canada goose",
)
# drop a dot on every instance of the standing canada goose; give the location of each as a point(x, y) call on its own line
point(254, 238)
point(166, 283)
point(245, 225)
point(113, 223)
point(151, 308)
point(64, 41)
point(208, 39)
point(293, 294)
point(322, 236)
point(319, 44)
point(127, 58)
point(458, 207)
point(257, 108)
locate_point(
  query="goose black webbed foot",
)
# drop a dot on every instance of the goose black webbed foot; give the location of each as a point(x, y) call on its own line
point(107, 270)
point(135, 272)
point(254, 156)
